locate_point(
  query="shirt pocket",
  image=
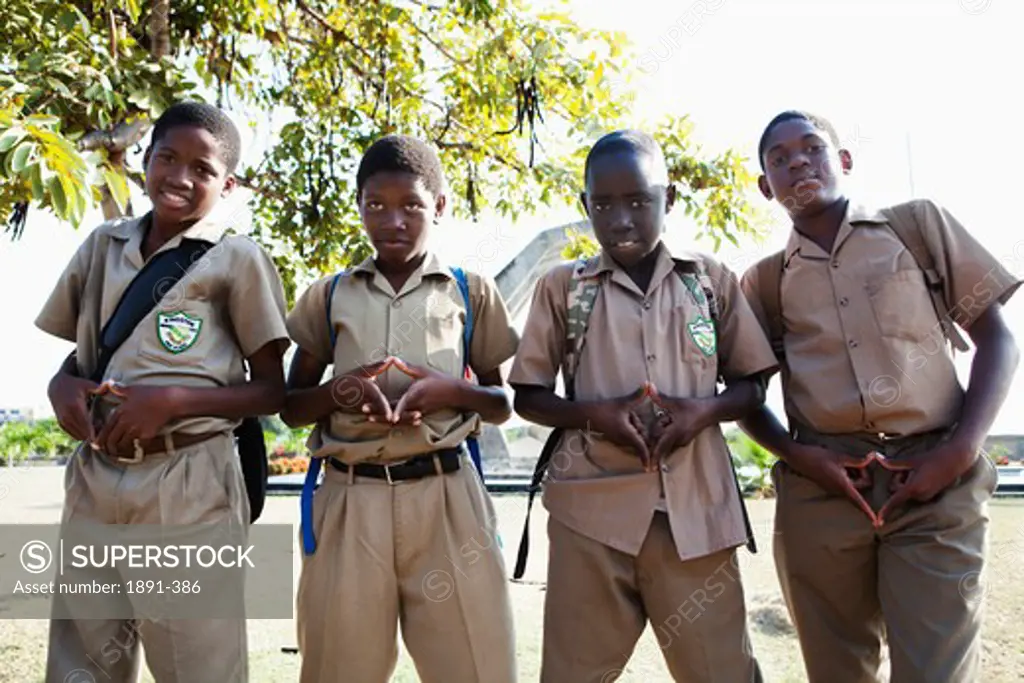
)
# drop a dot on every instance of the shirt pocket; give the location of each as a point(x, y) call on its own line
point(697, 333)
point(179, 335)
point(902, 305)
point(443, 341)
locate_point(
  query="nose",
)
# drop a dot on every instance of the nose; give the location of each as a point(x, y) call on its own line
point(799, 160)
point(394, 220)
point(178, 177)
point(621, 219)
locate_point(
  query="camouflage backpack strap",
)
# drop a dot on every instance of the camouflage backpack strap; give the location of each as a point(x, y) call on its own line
point(580, 303)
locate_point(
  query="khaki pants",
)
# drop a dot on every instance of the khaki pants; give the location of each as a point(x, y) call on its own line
point(422, 553)
point(200, 484)
point(915, 581)
point(598, 601)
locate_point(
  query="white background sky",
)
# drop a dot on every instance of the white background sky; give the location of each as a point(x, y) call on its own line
point(944, 74)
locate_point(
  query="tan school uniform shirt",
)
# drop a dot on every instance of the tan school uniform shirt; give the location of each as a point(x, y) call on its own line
point(423, 325)
point(863, 345)
point(601, 490)
point(227, 306)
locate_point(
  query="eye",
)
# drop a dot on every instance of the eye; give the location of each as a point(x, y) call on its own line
point(778, 161)
point(815, 148)
point(374, 205)
point(205, 172)
point(640, 203)
point(601, 206)
point(415, 206)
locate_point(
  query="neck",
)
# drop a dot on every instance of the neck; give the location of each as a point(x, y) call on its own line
point(823, 226)
point(642, 271)
point(398, 273)
point(158, 233)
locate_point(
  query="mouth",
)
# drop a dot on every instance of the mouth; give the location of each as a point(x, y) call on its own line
point(624, 244)
point(174, 199)
point(807, 181)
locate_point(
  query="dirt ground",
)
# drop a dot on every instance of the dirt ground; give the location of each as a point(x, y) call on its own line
point(34, 495)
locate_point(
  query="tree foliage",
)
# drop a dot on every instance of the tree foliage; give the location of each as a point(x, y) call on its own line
point(512, 98)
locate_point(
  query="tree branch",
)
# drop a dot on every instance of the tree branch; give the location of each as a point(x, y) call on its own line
point(440, 48)
point(160, 29)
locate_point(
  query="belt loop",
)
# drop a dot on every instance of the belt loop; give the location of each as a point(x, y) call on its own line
point(351, 475)
point(437, 464)
point(169, 444)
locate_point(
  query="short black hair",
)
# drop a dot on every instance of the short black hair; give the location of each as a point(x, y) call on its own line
point(635, 141)
point(404, 154)
point(819, 122)
point(208, 117)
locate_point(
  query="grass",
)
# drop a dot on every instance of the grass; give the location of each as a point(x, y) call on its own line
point(33, 495)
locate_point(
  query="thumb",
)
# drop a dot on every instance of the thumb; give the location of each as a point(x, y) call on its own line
point(897, 465)
point(902, 495)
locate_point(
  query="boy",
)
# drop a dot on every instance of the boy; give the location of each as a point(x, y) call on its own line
point(881, 512)
point(401, 529)
point(157, 443)
point(645, 512)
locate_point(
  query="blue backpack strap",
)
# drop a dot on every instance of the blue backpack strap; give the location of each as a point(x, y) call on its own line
point(467, 336)
point(313, 473)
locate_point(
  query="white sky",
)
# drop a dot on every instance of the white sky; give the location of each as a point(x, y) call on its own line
point(931, 76)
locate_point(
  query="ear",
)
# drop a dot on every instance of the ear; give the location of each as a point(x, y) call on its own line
point(670, 197)
point(230, 183)
point(583, 201)
point(846, 161)
point(440, 204)
point(762, 184)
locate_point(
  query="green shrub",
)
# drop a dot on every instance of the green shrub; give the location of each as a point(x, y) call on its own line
point(752, 462)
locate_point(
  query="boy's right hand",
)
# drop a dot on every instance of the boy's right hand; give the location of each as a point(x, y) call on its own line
point(618, 423)
point(839, 474)
point(69, 396)
point(357, 391)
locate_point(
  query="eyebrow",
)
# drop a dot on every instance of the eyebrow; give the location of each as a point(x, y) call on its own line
point(802, 139)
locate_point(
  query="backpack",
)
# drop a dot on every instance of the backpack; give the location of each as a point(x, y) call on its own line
point(472, 444)
point(902, 220)
point(580, 299)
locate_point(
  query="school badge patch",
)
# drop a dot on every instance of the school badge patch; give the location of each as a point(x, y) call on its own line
point(178, 331)
point(702, 332)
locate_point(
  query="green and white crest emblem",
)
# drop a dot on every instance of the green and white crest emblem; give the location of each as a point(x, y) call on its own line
point(702, 332)
point(177, 330)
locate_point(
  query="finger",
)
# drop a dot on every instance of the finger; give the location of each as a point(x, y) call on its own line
point(640, 446)
point(897, 465)
point(412, 370)
point(375, 369)
point(860, 477)
point(377, 402)
point(666, 444)
point(79, 423)
point(406, 404)
point(855, 462)
point(898, 481)
point(111, 432)
point(902, 495)
point(854, 495)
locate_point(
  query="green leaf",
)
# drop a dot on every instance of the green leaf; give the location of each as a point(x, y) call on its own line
point(118, 186)
point(11, 137)
point(20, 157)
point(140, 99)
point(35, 176)
point(58, 198)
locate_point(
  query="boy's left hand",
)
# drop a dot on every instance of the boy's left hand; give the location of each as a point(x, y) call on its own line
point(683, 420)
point(429, 392)
point(141, 414)
point(922, 477)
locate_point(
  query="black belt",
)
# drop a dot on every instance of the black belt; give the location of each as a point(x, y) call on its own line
point(415, 468)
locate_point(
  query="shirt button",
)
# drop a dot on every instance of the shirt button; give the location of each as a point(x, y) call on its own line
point(853, 343)
point(664, 468)
point(397, 303)
point(835, 263)
point(650, 358)
point(647, 305)
point(844, 301)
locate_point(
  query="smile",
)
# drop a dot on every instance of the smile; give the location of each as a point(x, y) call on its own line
point(173, 198)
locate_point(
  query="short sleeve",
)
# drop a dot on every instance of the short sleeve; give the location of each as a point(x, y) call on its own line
point(494, 339)
point(974, 278)
point(256, 304)
point(307, 322)
point(750, 286)
point(743, 347)
point(542, 346)
point(59, 315)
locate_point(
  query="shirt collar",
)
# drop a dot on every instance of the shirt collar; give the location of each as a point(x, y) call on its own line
point(431, 266)
point(857, 215)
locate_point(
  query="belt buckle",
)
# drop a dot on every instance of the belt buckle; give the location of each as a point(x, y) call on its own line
point(387, 475)
point(136, 457)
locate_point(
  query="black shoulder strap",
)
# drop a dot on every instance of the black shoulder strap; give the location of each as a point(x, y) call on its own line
point(145, 291)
